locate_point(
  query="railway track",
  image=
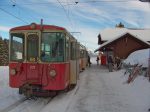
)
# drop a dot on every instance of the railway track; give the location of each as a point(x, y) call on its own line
point(48, 100)
point(21, 104)
point(21, 101)
point(14, 105)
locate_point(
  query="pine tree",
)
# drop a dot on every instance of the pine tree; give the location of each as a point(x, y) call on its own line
point(6, 52)
point(1, 51)
point(120, 25)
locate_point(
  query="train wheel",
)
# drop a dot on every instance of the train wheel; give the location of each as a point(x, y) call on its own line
point(53, 93)
point(72, 86)
point(67, 89)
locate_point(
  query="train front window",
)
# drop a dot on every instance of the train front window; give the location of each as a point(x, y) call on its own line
point(17, 45)
point(52, 47)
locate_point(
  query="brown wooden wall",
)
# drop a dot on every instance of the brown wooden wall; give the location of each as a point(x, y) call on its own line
point(125, 45)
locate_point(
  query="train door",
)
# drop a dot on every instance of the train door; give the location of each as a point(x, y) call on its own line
point(73, 63)
point(78, 59)
point(32, 56)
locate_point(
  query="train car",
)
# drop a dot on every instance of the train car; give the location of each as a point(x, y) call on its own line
point(43, 59)
point(83, 57)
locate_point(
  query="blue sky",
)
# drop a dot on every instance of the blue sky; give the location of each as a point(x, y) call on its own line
point(87, 16)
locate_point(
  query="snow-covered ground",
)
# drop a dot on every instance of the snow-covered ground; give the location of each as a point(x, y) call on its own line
point(97, 91)
point(7, 95)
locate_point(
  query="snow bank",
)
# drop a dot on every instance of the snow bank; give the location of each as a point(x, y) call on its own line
point(135, 94)
point(140, 56)
point(8, 95)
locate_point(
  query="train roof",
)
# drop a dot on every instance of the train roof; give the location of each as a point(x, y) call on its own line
point(34, 26)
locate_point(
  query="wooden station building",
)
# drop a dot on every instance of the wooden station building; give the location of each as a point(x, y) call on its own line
point(122, 45)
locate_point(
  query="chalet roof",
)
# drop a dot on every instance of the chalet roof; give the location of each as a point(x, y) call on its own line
point(121, 36)
point(109, 34)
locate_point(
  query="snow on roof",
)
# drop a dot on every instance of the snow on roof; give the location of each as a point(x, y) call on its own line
point(120, 36)
point(110, 33)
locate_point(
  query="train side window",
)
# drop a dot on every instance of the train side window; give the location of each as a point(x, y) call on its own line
point(17, 47)
point(67, 49)
point(73, 51)
point(81, 53)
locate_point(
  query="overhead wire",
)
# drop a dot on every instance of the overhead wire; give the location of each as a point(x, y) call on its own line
point(35, 3)
point(17, 4)
point(65, 12)
point(20, 8)
point(72, 3)
point(69, 14)
point(13, 15)
point(96, 1)
point(62, 4)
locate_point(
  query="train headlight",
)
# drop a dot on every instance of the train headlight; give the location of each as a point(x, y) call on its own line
point(52, 73)
point(13, 72)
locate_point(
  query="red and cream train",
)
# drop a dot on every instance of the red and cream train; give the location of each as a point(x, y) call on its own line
point(44, 59)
